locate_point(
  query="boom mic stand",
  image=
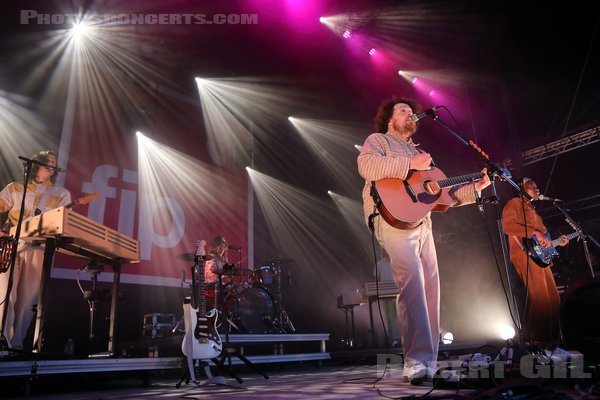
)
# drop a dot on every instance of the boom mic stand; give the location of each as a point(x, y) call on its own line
point(495, 171)
point(582, 236)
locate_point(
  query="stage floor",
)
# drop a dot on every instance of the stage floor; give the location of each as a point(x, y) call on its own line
point(341, 381)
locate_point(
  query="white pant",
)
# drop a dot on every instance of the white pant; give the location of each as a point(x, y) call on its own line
point(415, 271)
point(24, 294)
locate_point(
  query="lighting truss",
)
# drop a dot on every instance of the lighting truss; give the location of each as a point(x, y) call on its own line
point(560, 146)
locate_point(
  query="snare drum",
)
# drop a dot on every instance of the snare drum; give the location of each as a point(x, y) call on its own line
point(252, 309)
point(263, 276)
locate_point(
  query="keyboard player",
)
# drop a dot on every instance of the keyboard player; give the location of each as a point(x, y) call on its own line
point(42, 195)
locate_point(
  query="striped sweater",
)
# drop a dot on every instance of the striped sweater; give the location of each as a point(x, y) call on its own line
point(37, 193)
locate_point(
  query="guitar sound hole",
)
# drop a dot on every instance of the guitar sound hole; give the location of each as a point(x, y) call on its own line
point(431, 187)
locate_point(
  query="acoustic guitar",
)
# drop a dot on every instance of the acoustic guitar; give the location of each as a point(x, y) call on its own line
point(405, 202)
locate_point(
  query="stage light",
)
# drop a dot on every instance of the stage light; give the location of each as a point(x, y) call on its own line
point(346, 35)
point(414, 80)
point(447, 337)
point(291, 119)
point(432, 93)
point(358, 147)
point(329, 192)
point(372, 51)
point(400, 72)
point(323, 20)
point(507, 332)
point(79, 30)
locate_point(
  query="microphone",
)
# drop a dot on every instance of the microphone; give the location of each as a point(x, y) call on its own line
point(230, 247)
point(545, 198)
point(430, 112)
point(50, 167)
point(56, 169)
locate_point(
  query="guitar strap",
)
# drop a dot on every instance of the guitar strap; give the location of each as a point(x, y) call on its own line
point(377, 202)
point(43, 200)
point(518, 242)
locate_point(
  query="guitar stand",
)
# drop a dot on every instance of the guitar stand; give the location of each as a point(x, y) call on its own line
point(229, 352)
point(186, 374)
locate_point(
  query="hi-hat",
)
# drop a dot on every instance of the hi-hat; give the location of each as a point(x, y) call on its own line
point(190, 256)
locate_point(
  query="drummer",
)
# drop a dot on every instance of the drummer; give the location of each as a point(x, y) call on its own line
point(217, 264)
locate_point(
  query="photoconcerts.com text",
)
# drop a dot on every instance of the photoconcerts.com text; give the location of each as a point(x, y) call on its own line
point(33, 17)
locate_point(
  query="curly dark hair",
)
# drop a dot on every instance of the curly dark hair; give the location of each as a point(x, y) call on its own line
point(386, 109)
point(43, 156)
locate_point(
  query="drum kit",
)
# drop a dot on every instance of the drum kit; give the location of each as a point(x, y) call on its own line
point(250, 300)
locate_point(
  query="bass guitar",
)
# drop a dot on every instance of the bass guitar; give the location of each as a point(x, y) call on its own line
point(83, 200)
point(405, 202)
point(201, 340)
point(542, 256)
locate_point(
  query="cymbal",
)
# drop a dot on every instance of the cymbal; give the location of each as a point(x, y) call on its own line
point(190, 256)
point(279, 260)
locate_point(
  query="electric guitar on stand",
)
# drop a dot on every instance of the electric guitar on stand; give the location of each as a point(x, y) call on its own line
point(201, 340)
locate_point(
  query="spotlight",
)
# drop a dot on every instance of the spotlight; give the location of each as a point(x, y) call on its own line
point(329, 192)
point(372, 51)
point(291, 119)
point(79, 30)
point(447, 337)
point(346, 34)
point(323, 20)
point(358, 147)
point(400, 72)
point(414, 80)
point(507, 332)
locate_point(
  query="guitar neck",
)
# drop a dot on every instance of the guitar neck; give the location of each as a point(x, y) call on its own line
point(459, 180)
point(570, 236)
point(201, 296)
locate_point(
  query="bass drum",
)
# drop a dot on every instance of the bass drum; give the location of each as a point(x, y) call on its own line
point(252, 309)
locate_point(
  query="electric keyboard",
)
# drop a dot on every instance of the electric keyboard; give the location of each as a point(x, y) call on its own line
point(386, 289)
point(81, 233)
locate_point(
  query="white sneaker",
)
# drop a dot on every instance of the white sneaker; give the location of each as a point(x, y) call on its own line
point(416, 373)
point(558, 354)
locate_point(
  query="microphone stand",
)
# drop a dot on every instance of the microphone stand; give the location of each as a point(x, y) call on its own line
point(26, 173)
point(503, 174)
point(582, 236)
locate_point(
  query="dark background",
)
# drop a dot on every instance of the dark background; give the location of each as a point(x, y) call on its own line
point(516, 75)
